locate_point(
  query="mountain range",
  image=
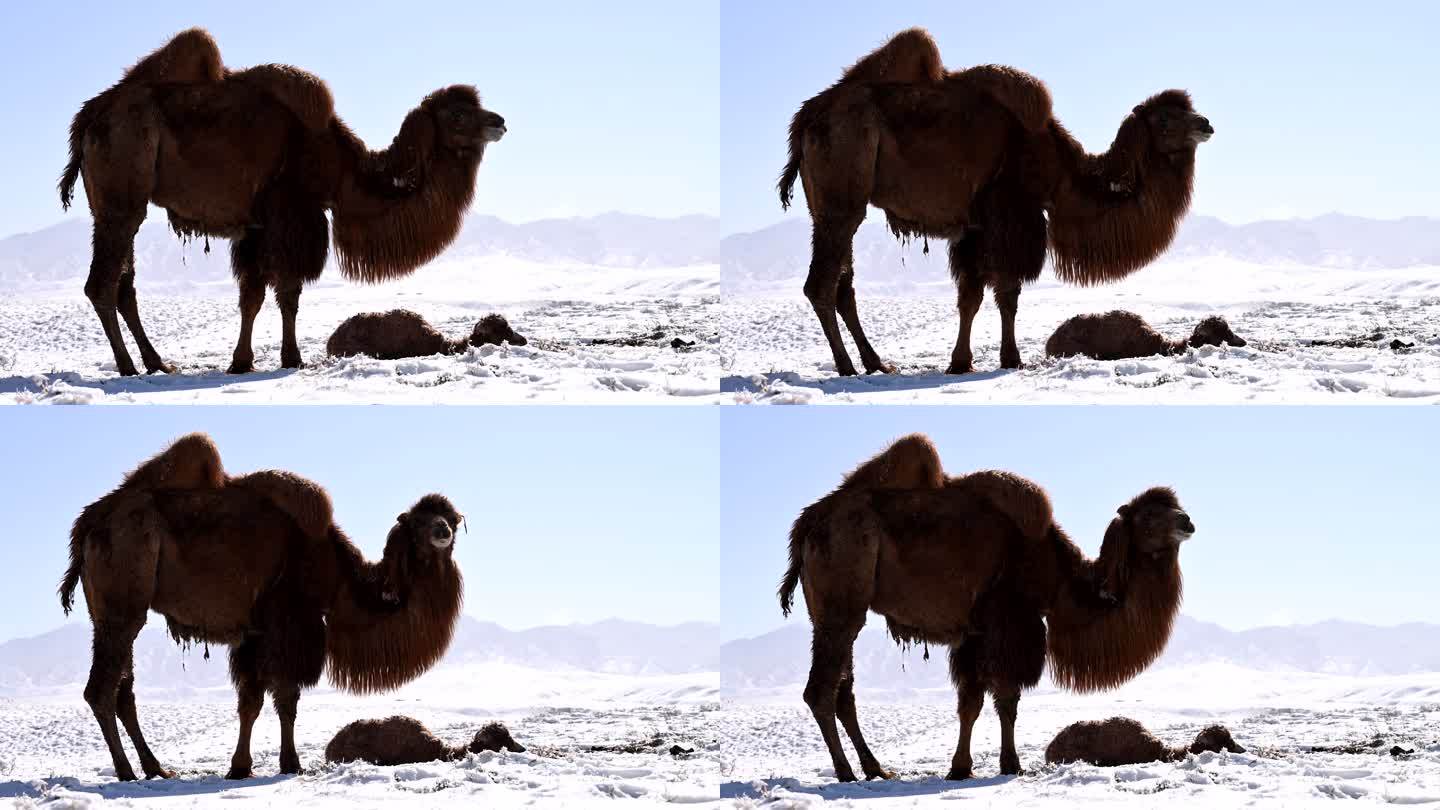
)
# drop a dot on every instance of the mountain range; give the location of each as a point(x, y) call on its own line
point(61, 657)
point(779, 255)
point(781, 658)
point(60, 254)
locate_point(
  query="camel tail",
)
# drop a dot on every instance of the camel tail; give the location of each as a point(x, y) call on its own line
point(79, 125)
point(805, 527)
point(792, 168)
point(78, 532)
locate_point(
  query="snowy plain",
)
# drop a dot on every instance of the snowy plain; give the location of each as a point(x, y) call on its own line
point(602, 321)
point(51, 753)
point(772, 754)
point(1279, 291)
point(1282, 691)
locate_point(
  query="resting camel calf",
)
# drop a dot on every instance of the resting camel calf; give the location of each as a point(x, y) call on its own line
point(1117, 335)
point(400, 740)
point(401, 333)
point(1122, 741)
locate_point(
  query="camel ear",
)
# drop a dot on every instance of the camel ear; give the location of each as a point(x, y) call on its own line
point(400, 518)
point(1136, 111)
point(1124, 511)
point(1115, 558)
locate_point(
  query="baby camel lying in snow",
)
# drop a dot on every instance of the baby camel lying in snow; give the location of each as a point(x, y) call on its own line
point(1118, 334)
point(402, 740)
point(402, 333)
point(1122, 741)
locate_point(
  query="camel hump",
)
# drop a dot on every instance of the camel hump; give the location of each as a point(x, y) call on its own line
point(1025, 96)
point(909, 57)
point(190, 57)
point(301, 92)
point(190, 462)
point(305, 501)
point(911, 462)
point(1019, 498)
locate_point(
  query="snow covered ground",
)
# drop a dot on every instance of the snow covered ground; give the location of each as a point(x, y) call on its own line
point(771, 753)
point(51, 753)
point(597, 334)
point(772, 350)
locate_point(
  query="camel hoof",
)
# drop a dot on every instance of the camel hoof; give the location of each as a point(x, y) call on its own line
point(882, 368)
point(1013, 364)
point(957, 775)
point(239, 773)
point(846, 371)
point(291, 362)
point(160, 773)
point(958, 369)
point(880, 774)
point(128, 371)
point(126, 775)
point(164, 368)
point(240, 368)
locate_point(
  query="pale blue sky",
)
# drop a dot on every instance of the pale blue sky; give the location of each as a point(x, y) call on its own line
point(1318, 105)
point(1303, 513)
point(575, 514)
point(611, 106)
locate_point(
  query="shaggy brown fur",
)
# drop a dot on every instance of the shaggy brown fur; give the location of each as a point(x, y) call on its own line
point(402, 333)
point(1118, 334)
point(402, 740)
point(979, 160)
point(237, 561)
point(953, 566)
point(258, 156)
point(1122, 741)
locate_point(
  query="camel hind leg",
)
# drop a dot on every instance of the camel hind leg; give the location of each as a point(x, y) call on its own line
point(125, 706)
point(845, 708)
point(112, 649)
point(129, 307)
point(839, 585)
point(838, 176)
point(845, 304)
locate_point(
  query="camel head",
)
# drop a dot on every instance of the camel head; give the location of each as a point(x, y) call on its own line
point(1147, 531)
point(1214, 331)
point(495, 737)
point(420, 542)
point(493, 328)
point(1169, 124)
point(1215, 738)
point(460, 125)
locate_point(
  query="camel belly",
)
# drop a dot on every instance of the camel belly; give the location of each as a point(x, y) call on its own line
point(927, 601)
point(209, 178)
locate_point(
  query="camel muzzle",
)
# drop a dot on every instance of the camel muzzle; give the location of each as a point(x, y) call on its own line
point(492, 134)
point(442, 536)
point(1201, 130)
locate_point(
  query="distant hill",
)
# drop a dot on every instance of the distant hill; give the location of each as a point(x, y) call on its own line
point(782, 658)
point(779, 256)
point(60, 254)
point(61, 657)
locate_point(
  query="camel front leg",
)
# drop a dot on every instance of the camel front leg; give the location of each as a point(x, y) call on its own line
point(1007, 705)
point(250, 698)
point(970, 291)
point(252, 297)
point(287, 296)
point(149, 764)
point(970, 697)
point(287, 705)
point(1007, 298)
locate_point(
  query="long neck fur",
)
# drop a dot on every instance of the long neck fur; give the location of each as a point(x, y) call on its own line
point(1095, 646)
point(1096, 236)
point(374, 646)
point(398, 208)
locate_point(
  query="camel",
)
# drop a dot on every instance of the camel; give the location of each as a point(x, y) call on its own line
point(402, 740)
point(977, 564)
point(1122, 741)
point(1117, 335)
point(977, 158)
point(258, 156)
point(255, 562)
point(402, 333)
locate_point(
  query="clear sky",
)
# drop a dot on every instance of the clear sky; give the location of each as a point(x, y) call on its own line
point(575, 514)
point(1318, 105)
point(611, 106)
point(1303, 513)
